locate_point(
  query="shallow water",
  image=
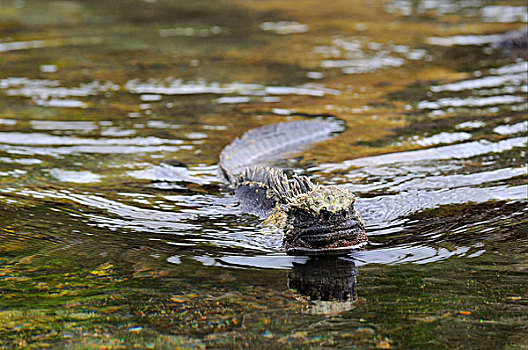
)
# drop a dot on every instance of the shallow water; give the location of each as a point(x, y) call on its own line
point(117, 232)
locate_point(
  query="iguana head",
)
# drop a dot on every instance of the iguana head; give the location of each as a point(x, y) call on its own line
point(322, 221)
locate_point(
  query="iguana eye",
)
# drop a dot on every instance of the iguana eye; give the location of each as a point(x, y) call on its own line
point(325, 215)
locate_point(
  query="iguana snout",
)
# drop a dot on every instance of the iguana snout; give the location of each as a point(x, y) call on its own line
point(323, 221)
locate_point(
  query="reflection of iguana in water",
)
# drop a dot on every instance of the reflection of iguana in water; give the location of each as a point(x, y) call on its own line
point(328, 283)
point(314, 219)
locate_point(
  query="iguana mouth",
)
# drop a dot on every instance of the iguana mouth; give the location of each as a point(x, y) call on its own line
point(332, 241)
point(344, 248)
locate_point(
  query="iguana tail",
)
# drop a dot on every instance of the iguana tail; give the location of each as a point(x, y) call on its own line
point(267, 143)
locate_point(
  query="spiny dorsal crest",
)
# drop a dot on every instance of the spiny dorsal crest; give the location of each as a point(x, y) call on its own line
point(285, 188)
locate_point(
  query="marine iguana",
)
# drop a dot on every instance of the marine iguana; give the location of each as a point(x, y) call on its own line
point(313, 218)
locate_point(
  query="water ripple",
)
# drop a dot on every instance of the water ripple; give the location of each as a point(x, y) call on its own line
point(458, 151)
point(38, 139)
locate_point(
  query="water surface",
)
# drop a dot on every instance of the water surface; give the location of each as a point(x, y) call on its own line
point(117, 231)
